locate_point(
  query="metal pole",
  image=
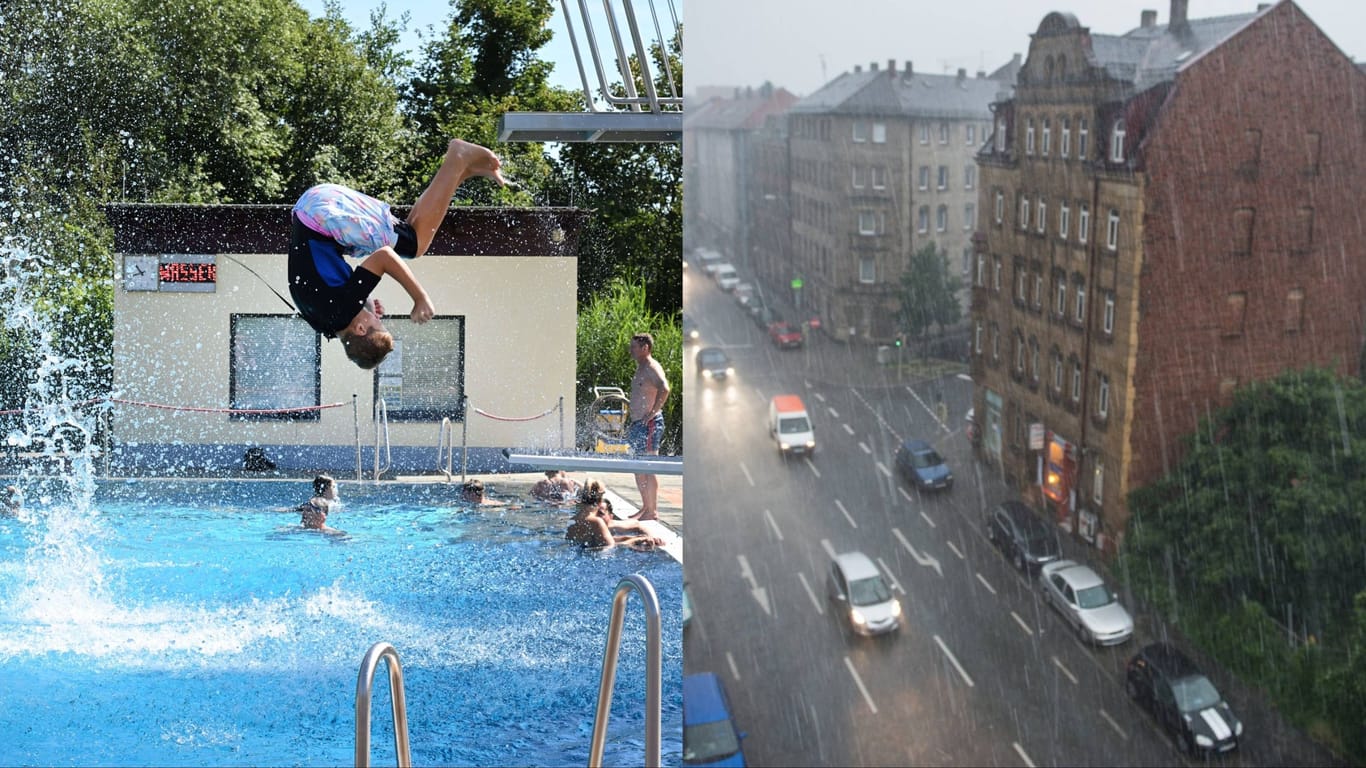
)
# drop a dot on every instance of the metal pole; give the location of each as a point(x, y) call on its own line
point(355, 418)
point(653, 665)
point(364, 687)
point(465, 441)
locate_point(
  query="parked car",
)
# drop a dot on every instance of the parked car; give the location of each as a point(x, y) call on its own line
point(922, 465)
point(743, 293)
point(709, 733)
point(707, 259)
point(690, 332)
point(763, 315)
point(726, 276)
point(713, 363)
point(1086, 603)
point(1021, 536)
point(785, 335)
point(1182, 700)
point(861, 594)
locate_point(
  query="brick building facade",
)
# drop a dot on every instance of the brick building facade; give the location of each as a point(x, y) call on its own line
point(1171, 213)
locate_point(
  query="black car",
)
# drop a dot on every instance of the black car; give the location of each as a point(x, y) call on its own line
point(713, 363)
point(1028, 541)
point(1183, 700)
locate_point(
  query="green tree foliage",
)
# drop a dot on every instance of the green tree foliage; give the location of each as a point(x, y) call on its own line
point(606, 326)
point(1265, 518)
point(929, 294)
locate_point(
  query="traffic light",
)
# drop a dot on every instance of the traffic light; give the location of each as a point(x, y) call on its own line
point(898, 340)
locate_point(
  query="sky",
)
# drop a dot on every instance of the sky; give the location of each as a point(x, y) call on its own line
point(802, 44)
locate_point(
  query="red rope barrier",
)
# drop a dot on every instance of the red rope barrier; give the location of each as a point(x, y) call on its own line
point(511, 418)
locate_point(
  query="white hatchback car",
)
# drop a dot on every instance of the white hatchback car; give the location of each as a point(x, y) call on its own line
point(1086, 602)
point(862, 596)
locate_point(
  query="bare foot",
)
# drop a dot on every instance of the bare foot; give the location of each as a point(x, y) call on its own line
point(645, 515)
point(477, 160)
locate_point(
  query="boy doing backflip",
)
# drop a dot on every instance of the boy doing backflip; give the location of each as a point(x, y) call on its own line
point(331, 221)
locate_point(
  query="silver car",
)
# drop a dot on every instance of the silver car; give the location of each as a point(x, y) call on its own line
point(1085, 602)
point(861, 594)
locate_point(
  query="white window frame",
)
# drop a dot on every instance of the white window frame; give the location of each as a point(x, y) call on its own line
point(1117, 142)
point(1024, 212)
point(1103, 397)
point(969, 177)
point(1065, 142)
point(1061, 303)
point(944, 133)
point(878, 177)
point(1083, 223)
point(1029, 136)
point(941, 218)
point(1038, 289)
point(1019, 354)
point(1112, 231)
point(923, 219)
point(970, 134)
point(879, 133)
point(996, 275)
point(857, 180)
point(1000, 205)
point(1022, 285)
point(1098, 481)
point(924, 133)
point(943, 178)
point(867, 270)
point(867, 223)
point(1064, 220)
point(1081, 303)
point(969, 216)
point(924, 177)
point(977, 339)
point(1057, 372)
point(1076, 381)
point(1109, 317)
point(1001, 135)
point(1047, 142)
point(981, 270)
point(1082, 134)
point(1042, 216)
point(860, 136)
point(1034, 360)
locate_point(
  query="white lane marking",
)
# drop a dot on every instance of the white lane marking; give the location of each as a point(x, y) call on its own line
point(734, 670)
point(895, 584)
point(859, 681)
point(748, 476)
point(927, 519)
point(834, 414)
point(1057, 663)
point(829, 550)
point(865, 448)
point(848, 428)
point(1019, 750)
point(816, 395)
point(1114, 725)
point(926, 560)
point(773, 524)
point(906, 495)
point(760, 594)
point(813, 469)
point(812, 593)
point(955, 549)
point(883, 469)
point(990, 588)
point(956, 665)
point(847, 516)
point(1022, 623)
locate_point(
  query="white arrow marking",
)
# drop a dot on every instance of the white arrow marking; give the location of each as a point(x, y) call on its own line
point(925, 560)
point(816, 395)
point(759, 593)
point(1114, 725)
point(834, 414)
point(905, 495)
point(955, 550)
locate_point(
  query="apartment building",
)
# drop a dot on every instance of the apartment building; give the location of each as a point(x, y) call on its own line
point(881, 163)
point(1170, 213)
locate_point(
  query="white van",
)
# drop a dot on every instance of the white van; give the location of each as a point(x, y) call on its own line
point(726, 277)
point(790, 425)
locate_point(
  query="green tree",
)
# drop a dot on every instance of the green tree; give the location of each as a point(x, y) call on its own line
point(929, 294)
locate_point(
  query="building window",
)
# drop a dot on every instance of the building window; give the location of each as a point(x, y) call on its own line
point(423, 379)
point(1019, 354)
point(1081, 303)
point(943, 133)
point(860, 131)
point(970, 134)
point(943, 177)
point(1244, 220)
point(924, 133)
point(1047, 137)
point(867, 223)
point(969, 216)
point(1098, 481)
point(1117, 142)
point(1065, 146)
point(941, 218)
point(969, 177)
point(1029, 137)
point(923, 220)
point(995, 343)
point(275, 362)
point(1103, 397)
point(879, 177)
point(879, 133)
point(1060, 302)
point(996, 274)
point(1083, 224)
point(1034, 360)
point(1001, 135)
point(1042, 216)
point(1294, 310)
point(1112, 231)
point(1081, 139)
point(1235, 308)
point(1313, 145)
point(867, 269)
point(1038, 289)
point(1304, 229)
point(1024, 212)
point(1109, 322)
point(1076, 381)
point(967, 262)
point(1064, 219)
point(977, 339)
point(1021, 284)
point(924, 177)
point(981, 270)
point(1000, 206)
point(1057, 372)
point(858, 177)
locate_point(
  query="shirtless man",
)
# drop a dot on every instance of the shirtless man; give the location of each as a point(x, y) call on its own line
point(649, 391)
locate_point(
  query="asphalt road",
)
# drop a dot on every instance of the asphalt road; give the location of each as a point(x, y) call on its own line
point(982, 671)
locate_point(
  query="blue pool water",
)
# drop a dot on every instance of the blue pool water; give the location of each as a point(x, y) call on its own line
point(188, 623)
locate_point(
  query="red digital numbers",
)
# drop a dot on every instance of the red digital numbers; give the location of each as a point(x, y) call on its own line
point(177, 272)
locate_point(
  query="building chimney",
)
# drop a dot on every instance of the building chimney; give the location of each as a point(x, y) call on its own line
point(891, 66)
point(1262, 7)
point(962, 74)
point(1147, 19)
point(981, 74)
point(1177, 23)
point(857, 69)
point(910, 70)
point(872, 65)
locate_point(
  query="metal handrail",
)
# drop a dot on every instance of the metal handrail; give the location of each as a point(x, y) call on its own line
point(646, 590)
point(445, 439)
point(382, 422)
point(364, 686)
point(635, 102)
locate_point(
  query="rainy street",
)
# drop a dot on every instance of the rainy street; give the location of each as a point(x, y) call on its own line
point(982, 672)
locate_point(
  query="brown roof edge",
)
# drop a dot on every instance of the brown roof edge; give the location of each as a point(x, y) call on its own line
point(184, 228)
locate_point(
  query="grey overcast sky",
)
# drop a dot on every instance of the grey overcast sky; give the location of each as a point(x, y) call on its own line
point(801, 44)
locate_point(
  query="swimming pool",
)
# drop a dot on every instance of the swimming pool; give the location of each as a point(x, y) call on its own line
point(186, 623)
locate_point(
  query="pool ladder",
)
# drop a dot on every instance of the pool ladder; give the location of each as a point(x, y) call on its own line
point(635, 582)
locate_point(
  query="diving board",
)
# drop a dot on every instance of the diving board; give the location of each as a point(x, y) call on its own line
point(598, 462)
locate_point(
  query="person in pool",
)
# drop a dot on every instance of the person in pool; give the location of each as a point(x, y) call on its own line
point(557, 487)
point(331, 220)
point(473, 492)
point(14, 501)
point(314, 512)
point(592, 525)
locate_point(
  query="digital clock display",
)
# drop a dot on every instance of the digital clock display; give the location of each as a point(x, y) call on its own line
point(180, 272)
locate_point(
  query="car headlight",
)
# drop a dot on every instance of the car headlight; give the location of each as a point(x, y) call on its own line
point(692, 334)
point(706, 373)
point(1204, 740)
point(810, 443)
point(896, 608)
point(730, 371)
point(1237, 727)
point(856, 616)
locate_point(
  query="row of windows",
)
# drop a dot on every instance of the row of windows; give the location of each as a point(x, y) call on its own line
point(876, 132)
point(1038, 139)
point(1037, 213)
point(1061, 309)
point(872, 223)
point(1234, 315)
point(1066, 380)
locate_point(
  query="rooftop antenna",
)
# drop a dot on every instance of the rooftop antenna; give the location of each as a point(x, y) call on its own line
point(824, 79)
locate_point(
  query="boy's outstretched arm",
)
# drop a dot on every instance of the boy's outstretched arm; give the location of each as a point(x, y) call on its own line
point(386, 261)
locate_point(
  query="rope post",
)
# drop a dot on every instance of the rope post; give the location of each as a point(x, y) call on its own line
point(465, 441)
point(355, 419)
